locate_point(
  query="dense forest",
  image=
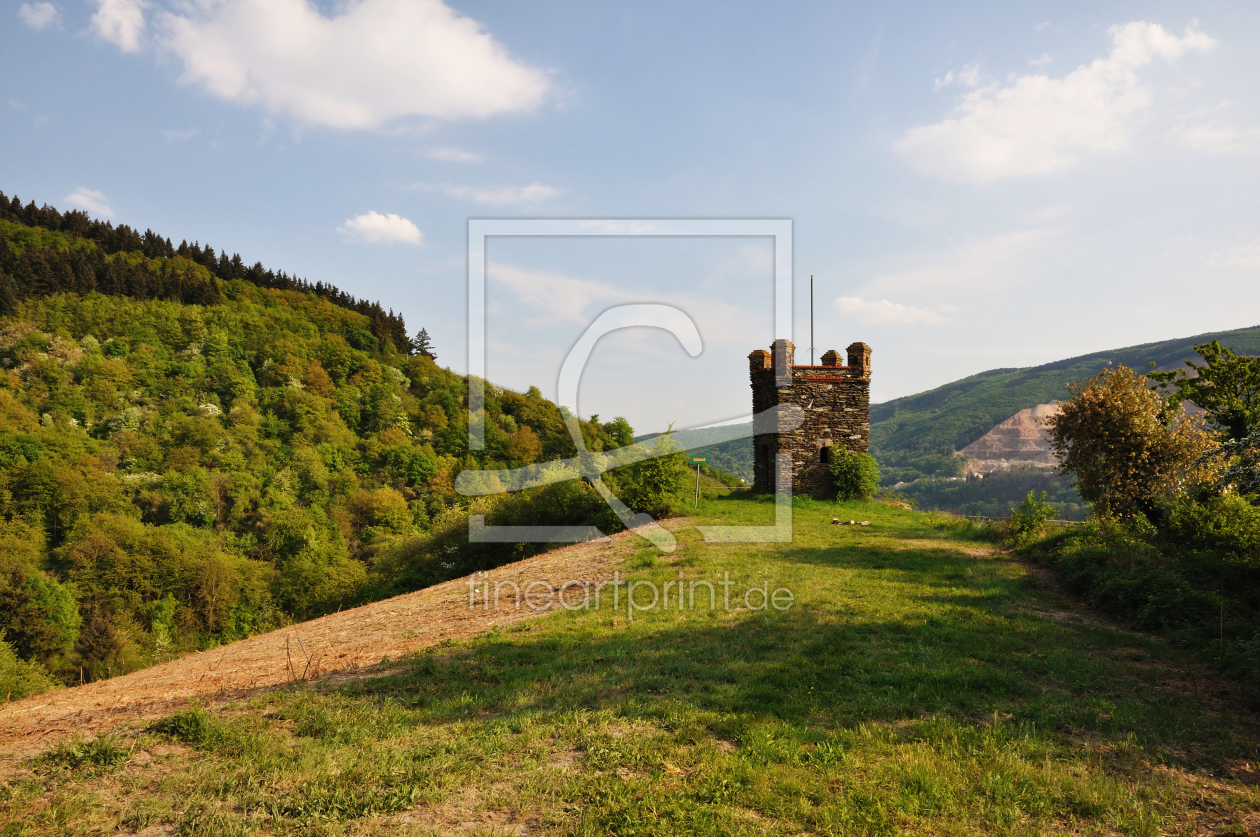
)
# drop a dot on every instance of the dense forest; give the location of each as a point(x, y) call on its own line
point(733, 457)
point(997, 493)
point(43, 251)
point(188, 458)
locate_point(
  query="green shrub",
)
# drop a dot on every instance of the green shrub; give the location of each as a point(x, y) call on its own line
point(1117, 566)
point(18, 678)
point(194, 726)
point(1028, 520)
point(104, 751)
point(654, 486)
point(1228, 526)
point(856, 475)
point(1193, 578)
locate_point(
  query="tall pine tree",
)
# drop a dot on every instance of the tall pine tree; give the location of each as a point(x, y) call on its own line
point(421, 345)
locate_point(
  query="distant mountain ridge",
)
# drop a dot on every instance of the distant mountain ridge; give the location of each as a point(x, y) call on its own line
point(916, 436)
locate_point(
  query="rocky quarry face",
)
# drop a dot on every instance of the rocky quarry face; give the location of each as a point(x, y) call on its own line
point(1020, 441)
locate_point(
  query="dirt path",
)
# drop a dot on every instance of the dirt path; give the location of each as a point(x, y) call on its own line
point(331, 646)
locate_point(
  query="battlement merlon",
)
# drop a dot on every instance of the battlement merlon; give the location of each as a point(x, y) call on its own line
point(860, 359)
point(835, 399)
point(758, 361)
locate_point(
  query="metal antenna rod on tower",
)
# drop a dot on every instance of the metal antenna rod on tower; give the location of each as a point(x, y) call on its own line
point(811, 319)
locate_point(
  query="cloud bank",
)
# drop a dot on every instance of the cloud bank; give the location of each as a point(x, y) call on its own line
point(375, 228)
point(1035, 124)
point(90, 200)
point(38, 15)
point(121, 22)
point(535, 192)
point(375, 61)
point(370, 63)
point(878, 311)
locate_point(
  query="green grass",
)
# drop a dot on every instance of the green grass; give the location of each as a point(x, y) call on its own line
point(917, 686)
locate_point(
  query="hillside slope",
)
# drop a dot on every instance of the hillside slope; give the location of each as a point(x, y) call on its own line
point(918, 682)
point(188, 459)
point(348, 642)
point(916, 436)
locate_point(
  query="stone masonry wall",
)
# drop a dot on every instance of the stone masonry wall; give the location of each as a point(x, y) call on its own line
point(836, 403)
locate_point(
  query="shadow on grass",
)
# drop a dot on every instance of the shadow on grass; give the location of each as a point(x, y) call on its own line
point(959, 650)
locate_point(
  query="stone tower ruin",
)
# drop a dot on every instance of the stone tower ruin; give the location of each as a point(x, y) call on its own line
point(836, 403)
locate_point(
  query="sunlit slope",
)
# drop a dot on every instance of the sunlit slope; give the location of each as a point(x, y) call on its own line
point(917, 435)
point(920, 432)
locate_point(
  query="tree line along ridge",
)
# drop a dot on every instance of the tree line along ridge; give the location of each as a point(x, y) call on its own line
point(75, 253)
point(188, 459)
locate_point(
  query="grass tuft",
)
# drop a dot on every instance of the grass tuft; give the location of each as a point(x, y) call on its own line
point(920, 683)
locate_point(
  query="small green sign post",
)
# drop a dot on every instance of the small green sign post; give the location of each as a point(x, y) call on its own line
point(698, 461)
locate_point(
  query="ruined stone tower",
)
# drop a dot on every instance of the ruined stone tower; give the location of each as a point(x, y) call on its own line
point(836, 402)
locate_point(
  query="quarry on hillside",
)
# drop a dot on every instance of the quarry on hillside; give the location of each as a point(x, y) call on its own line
point(1020, 441)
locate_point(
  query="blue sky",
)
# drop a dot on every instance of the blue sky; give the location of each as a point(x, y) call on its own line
point(973, 186)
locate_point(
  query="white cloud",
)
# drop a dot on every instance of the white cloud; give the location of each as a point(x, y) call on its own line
point(968, 76)
point(1036, 124)
point(371, 63)
point(1246, 257)
point(91, 200)
point(988, 264)
point(38, 15)
point(375, 228)
point(1215, 138)
point(454, 155)
point(559, 296)
point(883, 311)
point(176, 135)
point(556, 297)
point(1045, 59)
point(121, 22)
point(533, 193)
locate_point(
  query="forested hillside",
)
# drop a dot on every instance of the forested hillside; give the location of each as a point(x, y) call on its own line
point(207, 457)
point(43, 251)
point(730, 457)
point(916, 436)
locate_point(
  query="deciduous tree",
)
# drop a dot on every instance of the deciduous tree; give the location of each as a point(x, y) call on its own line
point(1125, 444)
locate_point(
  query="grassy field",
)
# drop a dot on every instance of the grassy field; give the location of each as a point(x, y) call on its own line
point(920, 683)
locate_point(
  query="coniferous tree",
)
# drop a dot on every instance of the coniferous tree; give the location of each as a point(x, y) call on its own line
point(54, 272)
point(421, 345)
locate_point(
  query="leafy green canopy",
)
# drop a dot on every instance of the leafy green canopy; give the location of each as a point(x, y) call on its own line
point(176, 475)
point(1226, 387)
point(43, 251)
point(1125, 444)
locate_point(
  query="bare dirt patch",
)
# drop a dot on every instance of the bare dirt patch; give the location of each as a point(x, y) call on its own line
point(462, 813)
point(330, 649)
